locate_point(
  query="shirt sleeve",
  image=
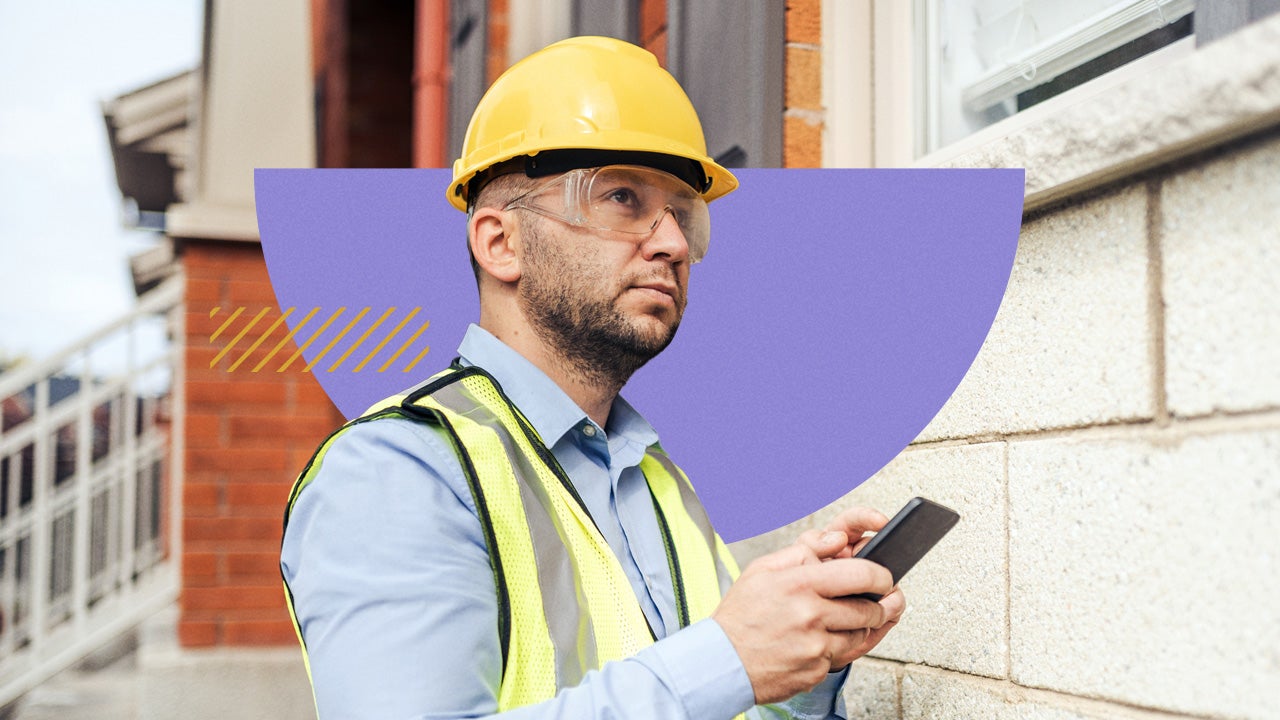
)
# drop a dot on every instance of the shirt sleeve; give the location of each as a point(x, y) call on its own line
point(392, 588)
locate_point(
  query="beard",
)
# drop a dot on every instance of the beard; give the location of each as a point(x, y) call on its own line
point(569, 304)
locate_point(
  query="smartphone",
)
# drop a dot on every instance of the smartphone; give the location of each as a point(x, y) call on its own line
point(917, 527)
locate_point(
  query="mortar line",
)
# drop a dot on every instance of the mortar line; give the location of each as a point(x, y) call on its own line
point(1226, 420)
point(1063, 700)
point(897, 687)
point(1008, 571)
point(1155, 297)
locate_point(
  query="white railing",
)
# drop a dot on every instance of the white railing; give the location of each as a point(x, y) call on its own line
point(90, 490)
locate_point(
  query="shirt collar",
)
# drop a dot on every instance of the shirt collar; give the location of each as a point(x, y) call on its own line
point(548, 408)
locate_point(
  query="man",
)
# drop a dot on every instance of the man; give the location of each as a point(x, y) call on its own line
point(509, 536)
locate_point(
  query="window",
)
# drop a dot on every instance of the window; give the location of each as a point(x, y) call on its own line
point(935, 75)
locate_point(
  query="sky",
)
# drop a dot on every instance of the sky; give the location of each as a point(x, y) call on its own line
point(64, 268)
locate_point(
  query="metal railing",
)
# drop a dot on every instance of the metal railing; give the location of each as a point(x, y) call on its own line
point(90, 490)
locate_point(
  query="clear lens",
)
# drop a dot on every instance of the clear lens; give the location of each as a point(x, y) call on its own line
point(623, 198)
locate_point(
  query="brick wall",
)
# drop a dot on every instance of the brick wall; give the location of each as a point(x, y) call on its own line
point(247, 436)
point(653, 28)
point(803, 114)
point(496, 61)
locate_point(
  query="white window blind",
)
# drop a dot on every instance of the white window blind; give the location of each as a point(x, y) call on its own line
point(981, 61)
point(1025, 43)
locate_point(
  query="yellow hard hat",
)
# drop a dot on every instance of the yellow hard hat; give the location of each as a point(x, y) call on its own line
point(582, 102)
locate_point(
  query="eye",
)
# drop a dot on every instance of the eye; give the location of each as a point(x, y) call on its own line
point(622, 196)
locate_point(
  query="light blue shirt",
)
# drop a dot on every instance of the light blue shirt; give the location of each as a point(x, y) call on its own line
point(392, 586)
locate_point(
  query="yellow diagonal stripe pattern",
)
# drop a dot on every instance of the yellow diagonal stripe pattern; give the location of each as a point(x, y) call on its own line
point(301, 324)
point(239, 335)
point(362, 338)
point(336, 342)
point(302, 348)
point(405, 346)
point(387, 339)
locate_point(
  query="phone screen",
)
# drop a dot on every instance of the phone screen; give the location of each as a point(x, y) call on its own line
point(917, 527)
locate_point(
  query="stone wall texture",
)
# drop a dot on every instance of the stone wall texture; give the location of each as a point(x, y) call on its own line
point(1115, 455)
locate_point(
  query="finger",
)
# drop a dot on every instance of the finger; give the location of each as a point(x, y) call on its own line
point(859, 544)
point(874, 637)
point(850, 614)
point(846, 646)
point(857, 520)
point(788, 557)
point(824, 543)
point(849, 576)
point(894, 604)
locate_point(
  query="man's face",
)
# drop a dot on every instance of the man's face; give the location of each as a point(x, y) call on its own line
point(607, 302)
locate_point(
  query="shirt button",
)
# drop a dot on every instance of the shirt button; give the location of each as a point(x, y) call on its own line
point(589, 430)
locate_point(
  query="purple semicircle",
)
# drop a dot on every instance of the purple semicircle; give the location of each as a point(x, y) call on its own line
point(834, 315)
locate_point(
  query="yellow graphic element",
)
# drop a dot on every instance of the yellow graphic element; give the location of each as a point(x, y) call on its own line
point(258, 342)
point(224, 325)
point(405, 346)
point(239, 336)
point(286, 338)
point(387, 339)
point(333, 343)
point(363, 337)
point(335, 340)
point(298, 353)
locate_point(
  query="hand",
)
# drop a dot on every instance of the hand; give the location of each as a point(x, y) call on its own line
point(852, 524)
point(788, 621)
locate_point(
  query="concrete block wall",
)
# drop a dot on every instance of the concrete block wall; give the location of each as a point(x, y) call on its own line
point(1115, 455)
point(247, 436)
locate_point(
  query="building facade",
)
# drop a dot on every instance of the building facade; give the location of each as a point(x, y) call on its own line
point(1114, 450)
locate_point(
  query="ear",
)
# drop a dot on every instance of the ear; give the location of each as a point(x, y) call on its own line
point(493, 237)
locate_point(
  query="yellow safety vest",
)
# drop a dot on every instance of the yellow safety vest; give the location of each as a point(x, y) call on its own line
point(565, 605)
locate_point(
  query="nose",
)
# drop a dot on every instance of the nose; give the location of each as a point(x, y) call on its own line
point(667, 239)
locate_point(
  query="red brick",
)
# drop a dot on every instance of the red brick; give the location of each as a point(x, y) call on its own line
point(310, 427)
point(283, 477)
point(653, 20)
point(202, 424)
point(231, 598)
point(801, 143)
point(242, 262)
point(307, 388)
point(204, 290)
point(259, 632)
point(499, 30)
point(804, 21)
point(264, 530)
point(804, 79)
point(200, 495)
point(194, 633)
point(254, 563)
point(238, 459)
point(658, 46)
point(273, 494)
point(256, 291)
point(236, 391)
point(300, 457)
point(204, 475)
point(200, 563)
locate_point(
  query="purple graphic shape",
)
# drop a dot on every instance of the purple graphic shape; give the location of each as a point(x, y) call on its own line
point(836, 312)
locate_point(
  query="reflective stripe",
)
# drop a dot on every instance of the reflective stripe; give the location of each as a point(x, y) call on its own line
point(572, 633)
point(553, 569)
point(698, 514)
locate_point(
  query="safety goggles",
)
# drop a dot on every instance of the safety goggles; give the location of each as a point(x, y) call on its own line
point(628, 199)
